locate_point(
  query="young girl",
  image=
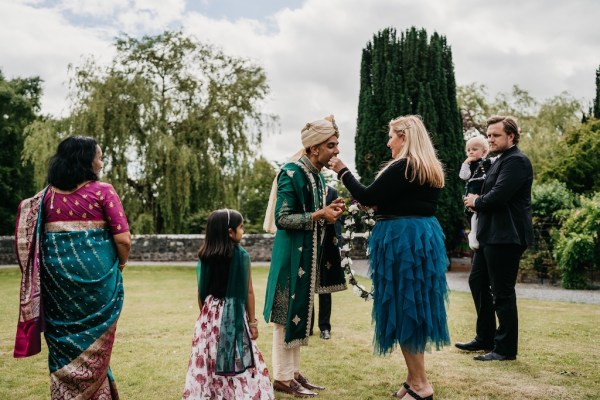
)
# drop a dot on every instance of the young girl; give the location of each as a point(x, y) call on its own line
point(225, 361)
point(473, 171)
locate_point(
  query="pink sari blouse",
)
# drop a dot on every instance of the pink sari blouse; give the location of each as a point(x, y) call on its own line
point(92, 203)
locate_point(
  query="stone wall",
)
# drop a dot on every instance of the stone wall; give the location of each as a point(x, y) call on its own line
point(179, 248)
point(7, 250)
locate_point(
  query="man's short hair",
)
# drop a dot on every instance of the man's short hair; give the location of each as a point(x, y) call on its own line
point(509, 125)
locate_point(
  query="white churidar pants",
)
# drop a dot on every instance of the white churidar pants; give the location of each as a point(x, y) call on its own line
point(286, 362)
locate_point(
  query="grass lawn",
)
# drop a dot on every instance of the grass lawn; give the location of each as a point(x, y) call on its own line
point(559, 347)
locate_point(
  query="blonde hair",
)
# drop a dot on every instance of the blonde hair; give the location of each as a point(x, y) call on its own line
point(418, 151)
point(481, 140)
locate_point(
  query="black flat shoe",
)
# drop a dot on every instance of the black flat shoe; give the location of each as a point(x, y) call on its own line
point(397, 394)
point(491, 356)
point(415, 396)
point(473, 345)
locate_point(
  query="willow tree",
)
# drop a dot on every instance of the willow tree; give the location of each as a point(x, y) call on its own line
point(411, 74)
point(178, 121)
point(255, 194)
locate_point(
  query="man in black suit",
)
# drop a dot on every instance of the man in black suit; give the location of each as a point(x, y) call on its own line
point(504, 231)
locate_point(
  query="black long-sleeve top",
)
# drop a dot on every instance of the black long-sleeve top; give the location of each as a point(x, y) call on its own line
point(218, 284)
point(393, 194)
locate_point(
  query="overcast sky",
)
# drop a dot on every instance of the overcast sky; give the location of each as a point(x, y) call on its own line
point(311, 49)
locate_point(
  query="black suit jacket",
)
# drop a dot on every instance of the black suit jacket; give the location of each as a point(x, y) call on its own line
point(504, 207)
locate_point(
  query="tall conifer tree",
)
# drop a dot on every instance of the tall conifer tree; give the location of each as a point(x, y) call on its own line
point(596, 109)
point(412, 74)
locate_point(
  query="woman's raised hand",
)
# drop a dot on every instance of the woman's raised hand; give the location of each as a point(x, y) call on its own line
point(336, 164)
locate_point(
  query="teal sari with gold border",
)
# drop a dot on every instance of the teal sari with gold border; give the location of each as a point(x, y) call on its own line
point(82, 295)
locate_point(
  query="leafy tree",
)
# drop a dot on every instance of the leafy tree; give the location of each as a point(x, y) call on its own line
point(550, 198)
point(577, 250)
point(19, 106)
point(578, 164)
point(542, 124)
point(541, 140)
point(254, 195)
point(178, 121)
point(474, 107)
point(551, 202)
point(413, 74)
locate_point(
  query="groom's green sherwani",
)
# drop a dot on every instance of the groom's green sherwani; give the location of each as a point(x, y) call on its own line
point(296, 251)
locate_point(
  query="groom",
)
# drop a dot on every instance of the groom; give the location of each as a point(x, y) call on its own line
point(300, 215)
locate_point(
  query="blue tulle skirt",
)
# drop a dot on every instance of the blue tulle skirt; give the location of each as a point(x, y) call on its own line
point(408, 263)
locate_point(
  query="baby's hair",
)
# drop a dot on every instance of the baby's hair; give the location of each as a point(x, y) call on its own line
point(480, 140)
point(218, 246)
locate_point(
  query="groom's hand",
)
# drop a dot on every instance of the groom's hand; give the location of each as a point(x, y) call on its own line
point(339, 203)
point(330, 213)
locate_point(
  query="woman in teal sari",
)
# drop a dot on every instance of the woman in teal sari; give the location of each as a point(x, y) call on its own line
point(72, 243)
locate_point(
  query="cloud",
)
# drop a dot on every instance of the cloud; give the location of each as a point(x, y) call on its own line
point(41, 42)
point(92, 8)
point(130, 16)
point(151, 16)
point(311, 53)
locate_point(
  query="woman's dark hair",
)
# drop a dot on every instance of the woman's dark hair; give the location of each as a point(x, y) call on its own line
point(218, 246)
point(72, 163)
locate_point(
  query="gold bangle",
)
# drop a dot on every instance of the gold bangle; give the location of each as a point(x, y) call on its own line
point(121, 266)
point(253, 324)
point(341, 178)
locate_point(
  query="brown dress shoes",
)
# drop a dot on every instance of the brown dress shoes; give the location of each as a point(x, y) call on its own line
point(295, 389)
point(311, 386)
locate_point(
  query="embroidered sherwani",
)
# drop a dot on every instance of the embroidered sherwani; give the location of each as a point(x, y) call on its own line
point(296, 251)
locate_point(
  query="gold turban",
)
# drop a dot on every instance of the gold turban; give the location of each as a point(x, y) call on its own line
point(312, 134)
point(317, 132)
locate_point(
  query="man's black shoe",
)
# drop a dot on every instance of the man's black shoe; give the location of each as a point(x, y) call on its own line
point(491, 356)
point(473, 345)
point(325, 334)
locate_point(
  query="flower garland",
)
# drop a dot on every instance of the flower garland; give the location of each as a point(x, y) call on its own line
point(366, 216)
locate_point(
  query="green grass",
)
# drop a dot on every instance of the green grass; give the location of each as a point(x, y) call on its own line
point(559, 347)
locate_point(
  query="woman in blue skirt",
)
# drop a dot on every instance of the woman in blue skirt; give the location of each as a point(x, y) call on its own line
point(407, 261)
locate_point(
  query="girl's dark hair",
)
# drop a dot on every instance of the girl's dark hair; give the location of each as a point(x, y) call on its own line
point(72, 163)
point(218, 246)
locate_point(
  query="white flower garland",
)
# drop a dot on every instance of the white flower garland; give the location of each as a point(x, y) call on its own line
point(366, 216)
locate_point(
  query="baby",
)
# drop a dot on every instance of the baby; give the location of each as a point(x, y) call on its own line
point(473, 171)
